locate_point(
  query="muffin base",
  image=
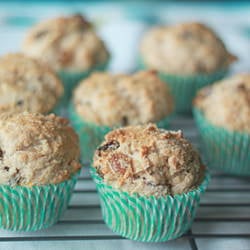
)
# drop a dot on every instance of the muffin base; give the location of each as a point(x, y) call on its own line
point(34, 208)
point(148, 219)
point(184, 88)
point(224, 150)
point(92, 135)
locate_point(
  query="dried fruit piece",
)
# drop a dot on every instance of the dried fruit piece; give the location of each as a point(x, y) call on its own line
point(112, 145)
point(241, 86)
point(6, 168)
point(19, 103)
point(119, 162)
point(41, 34)
point(124, 121)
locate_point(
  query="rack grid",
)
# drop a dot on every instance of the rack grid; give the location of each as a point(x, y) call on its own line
point(222, 219)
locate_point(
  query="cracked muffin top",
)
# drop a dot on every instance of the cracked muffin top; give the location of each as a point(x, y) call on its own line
point(185, 49)
point(26, 84)
point(227, 103)
point(148, 161)
point(66, 43)
point(36, 149)
point(114, 100)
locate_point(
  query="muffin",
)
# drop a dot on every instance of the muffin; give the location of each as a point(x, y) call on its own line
point(70, 46)
point(222, 113)
point(39, 165)
point(150, 181)
point(188, 56)
point(104, 101)
point(28, 85)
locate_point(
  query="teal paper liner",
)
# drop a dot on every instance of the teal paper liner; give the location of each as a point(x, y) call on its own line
point(148, 219)
point(34, 208)
point(184, 88)
point(224, 150)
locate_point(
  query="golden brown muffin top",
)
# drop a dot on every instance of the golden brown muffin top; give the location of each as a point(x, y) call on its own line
point(66, 43)
point(36, 149)
point(227, 103)
point(111, 100)
point(26, 84)
point(185, 49)
point(148, 161)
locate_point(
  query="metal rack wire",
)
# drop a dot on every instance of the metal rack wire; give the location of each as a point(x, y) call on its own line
point(224, 212)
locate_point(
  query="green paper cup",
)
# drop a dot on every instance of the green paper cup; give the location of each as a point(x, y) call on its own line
point(59, 108)
point(148, 219)
point(91, 135)
point(71, 79)
point(223, 149)
point(34, 208)
point(184, 88)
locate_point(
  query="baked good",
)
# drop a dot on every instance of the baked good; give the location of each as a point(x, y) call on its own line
point(148, 161)
point(118, 100)
point(188, 56)
point(39, 167)
point(185, 49)
point(36, 149)
point(150, 181)
point(222, 114)
point(66, 44)
point(227, 103)
point(27, 84)
point(104, 101)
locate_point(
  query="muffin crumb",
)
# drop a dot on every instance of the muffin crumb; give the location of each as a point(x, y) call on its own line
point(120, 100)
point(36, 149)
point(66, 43)
point(27, 85)
point(198, 50)
point(149, 161)
point(227, 103)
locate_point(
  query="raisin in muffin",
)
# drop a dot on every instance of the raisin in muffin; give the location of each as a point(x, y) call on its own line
point(148, 161)
point(36, 149)
point(222, 114)
point(118, 100)
point(26, 84)
point(185, 49)
point(150, 181)
point(66, 43)
point(227, 103)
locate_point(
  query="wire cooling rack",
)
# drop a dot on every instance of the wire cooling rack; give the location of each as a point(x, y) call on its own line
point(222, 221)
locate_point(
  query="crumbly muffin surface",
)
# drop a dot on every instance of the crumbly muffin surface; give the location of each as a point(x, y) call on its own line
point(26, 84)
point(148, 161)
point(227, 103)
point(185, 49)
point(36, 149)
point(66, 43)
point(110, 100)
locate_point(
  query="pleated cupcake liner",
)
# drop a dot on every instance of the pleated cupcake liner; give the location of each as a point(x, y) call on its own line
point(34, 208)
point(224, 150)
point(91, 135)
point(71, 79)
point(184, 88)
point(148, 219)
